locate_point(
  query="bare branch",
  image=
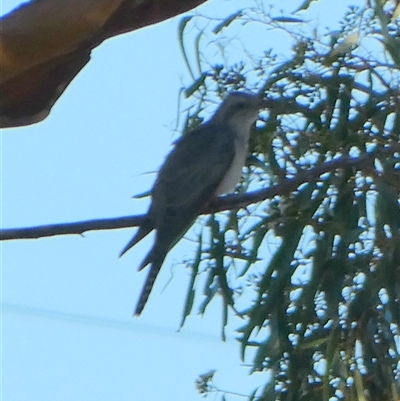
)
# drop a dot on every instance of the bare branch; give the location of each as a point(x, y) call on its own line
point(79, 227)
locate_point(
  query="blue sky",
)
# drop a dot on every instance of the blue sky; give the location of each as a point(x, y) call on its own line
point(67, 301)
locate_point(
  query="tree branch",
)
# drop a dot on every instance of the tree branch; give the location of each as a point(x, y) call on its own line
point(223, 203)
point(79, 227)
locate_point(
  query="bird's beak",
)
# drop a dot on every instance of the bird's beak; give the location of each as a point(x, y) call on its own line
point(261, 103)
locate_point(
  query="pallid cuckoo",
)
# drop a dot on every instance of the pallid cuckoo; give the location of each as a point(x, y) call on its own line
point(205, 163)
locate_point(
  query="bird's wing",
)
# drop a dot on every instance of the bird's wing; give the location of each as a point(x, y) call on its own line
point(195, 167)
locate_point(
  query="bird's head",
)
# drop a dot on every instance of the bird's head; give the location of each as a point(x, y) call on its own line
point(239, 110)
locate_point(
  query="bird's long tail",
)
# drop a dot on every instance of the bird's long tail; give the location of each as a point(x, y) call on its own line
point(156, 257)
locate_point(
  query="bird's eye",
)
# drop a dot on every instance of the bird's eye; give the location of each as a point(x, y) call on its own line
point(241, 105)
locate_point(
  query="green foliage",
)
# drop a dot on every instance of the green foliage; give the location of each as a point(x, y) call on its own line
point(318, 266)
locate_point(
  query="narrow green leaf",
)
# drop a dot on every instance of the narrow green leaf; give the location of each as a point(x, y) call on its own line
point(195, 85)
point(227, 21)
point(181, 29)
point(258, 238)
point(191, 291)
point(304, 5)
point(288, 19)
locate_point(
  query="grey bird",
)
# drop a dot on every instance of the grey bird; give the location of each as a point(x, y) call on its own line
point(205, 163)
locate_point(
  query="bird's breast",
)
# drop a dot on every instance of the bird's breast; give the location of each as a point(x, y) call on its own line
point(234, 172)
